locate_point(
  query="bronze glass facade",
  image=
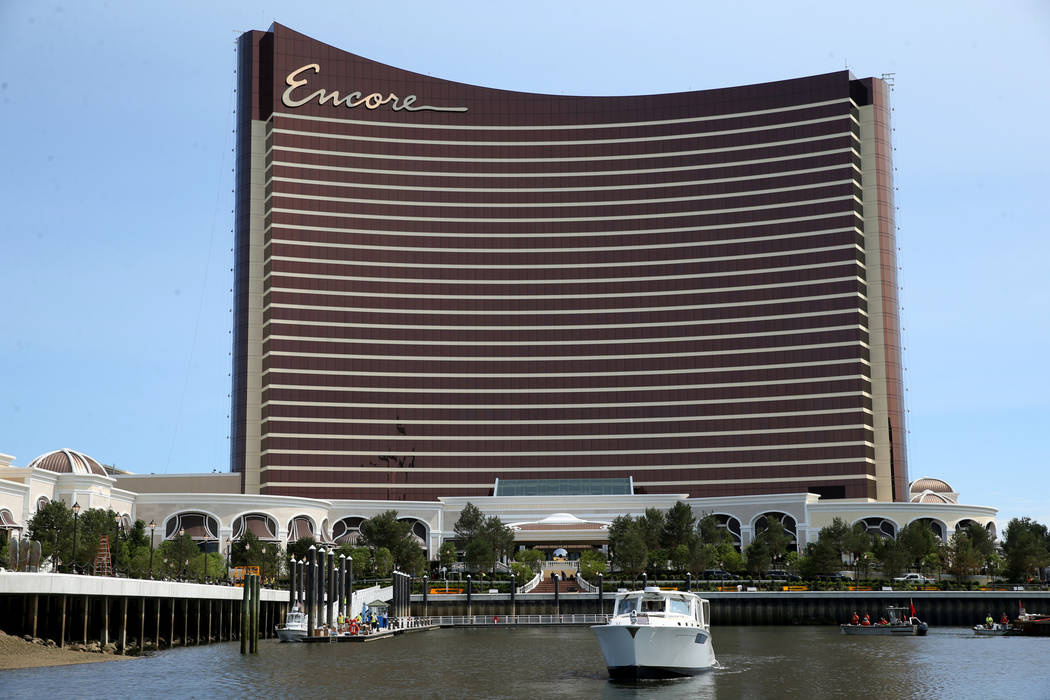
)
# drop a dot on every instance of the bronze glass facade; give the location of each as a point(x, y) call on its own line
point(439, 285)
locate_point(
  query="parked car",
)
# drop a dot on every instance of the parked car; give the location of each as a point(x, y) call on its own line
point(913, 578)
point(836, 576)
point(717, 574)
point(781, 575)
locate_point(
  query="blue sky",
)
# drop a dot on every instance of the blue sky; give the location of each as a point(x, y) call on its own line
point(116, 123)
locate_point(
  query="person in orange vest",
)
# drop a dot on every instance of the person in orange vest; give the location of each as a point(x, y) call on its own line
point(866, 622)
point(855, 620)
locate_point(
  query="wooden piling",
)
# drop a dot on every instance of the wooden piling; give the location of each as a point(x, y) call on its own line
point(104, 633)
point(123, 624)
point(85, 607)
point(62, 625)
point(245, 597)
point(34, 603)
point(255, 614)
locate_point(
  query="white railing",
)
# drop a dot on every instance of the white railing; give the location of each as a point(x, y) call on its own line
point(560, 565)
point(526, 587)
point(494, 620)
point(584, 586)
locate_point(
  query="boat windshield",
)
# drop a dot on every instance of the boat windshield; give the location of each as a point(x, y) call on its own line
point(653, 605)
point(625, 606)
point(679, 607)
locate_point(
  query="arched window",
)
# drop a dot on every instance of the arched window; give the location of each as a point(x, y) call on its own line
point(347, 530)
point(790, 526)
point(730, 525)
point(882, 527)
point(936, 527)
point(299, 527)
point(259, 524)
point(203, 528)
point(418, 532)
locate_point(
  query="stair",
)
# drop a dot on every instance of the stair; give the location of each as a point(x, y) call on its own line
point(102, 559)
point(547, 586)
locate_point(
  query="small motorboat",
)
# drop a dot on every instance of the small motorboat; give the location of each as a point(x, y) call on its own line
point(996, 630)
point(294, 628)
point(657, 634)
point(899, 622)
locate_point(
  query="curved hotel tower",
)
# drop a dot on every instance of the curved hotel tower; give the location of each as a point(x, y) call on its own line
point(439, 285)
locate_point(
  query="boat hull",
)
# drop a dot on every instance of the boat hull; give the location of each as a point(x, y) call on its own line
point(643, 651)
point(996, 631)
point(1035, 628)
point(286, 634)
point(918, 630)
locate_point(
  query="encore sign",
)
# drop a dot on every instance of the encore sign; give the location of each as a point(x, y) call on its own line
point(372, 100)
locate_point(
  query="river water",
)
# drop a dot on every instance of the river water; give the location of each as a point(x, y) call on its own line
point(565, 662)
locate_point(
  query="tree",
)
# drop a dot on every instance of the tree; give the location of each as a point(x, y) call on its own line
point(491, 541)
point(52, 527)
point(384, 562)
point(469, 524)
point(651, 528)
point(447, 554)
point(757, 557)
point(678, 528)
point(251, 551)
point(680, 557)
point(592, 563)
point(983, 544)
point(918, 541)
point(628, 546)
point(1025, 546)
point(300, 549)
point(532, 558)
point(386, 531)
point(484, 539)
point(775, 540)
point(822, 558)
point(892, 555)
point(962, 557)
point(711, 531)
point(364, 564)
point(174, 557)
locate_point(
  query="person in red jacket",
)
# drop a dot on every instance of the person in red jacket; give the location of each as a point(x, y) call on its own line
point(866, 622)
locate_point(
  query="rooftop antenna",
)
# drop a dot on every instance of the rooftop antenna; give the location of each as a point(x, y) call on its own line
point(888, 78)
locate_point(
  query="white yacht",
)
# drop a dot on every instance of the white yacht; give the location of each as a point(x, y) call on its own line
point(657, 634)
point(294, 629)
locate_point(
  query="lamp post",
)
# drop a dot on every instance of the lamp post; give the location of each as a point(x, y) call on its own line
point(182, 552)
point(152, 528)
point(116, 539)
point(76, 514)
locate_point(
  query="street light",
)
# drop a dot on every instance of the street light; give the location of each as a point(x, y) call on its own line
point(116, 539)
point(182, 551)
point(152, 528)
point(76, 512)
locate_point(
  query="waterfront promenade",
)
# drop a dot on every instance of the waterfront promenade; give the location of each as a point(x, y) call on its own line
point(946, 608)
point(126, 612)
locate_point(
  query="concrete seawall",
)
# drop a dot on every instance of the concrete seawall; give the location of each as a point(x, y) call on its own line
point(944, 608)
